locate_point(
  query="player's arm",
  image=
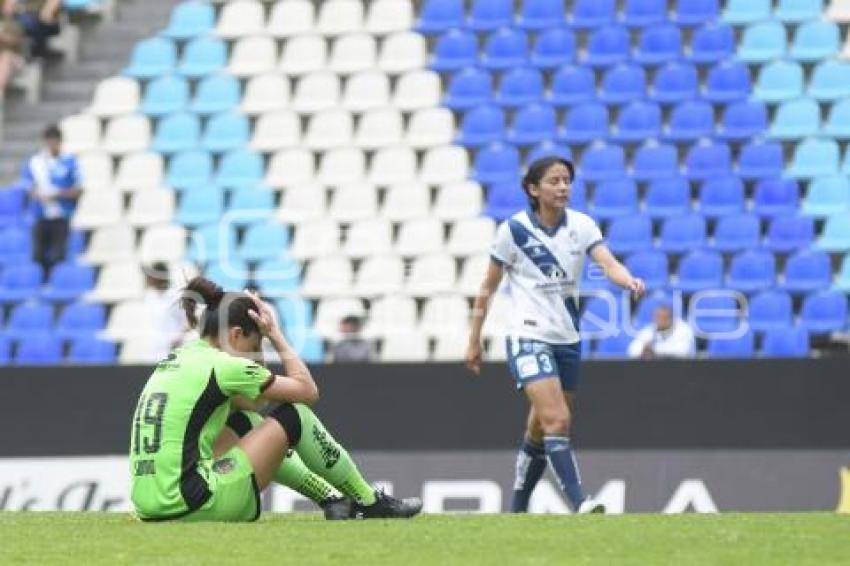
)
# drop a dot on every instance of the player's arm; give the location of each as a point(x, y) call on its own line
point(492, 278)
point(615, 271)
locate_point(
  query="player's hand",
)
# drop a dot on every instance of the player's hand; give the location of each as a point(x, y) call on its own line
point(263, 315)
point(473, 357)
point(637, 287)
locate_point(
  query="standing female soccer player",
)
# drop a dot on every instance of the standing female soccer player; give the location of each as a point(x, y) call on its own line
point(542, 250)
point(179, 423)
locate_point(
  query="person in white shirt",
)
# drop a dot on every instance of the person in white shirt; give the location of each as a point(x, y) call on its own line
point(542, 251)
point(667, 337)
point(163, 309)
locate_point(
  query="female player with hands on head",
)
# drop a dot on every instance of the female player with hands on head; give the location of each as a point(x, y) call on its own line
point(542, 251)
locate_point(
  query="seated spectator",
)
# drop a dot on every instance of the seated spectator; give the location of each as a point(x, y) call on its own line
point(162, 305)
point(39, 19)
point(10, 45)
point(667, 337)
point(352, 347)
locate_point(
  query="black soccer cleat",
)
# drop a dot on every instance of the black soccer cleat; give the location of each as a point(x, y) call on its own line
point(336, 508)
point(388, 507)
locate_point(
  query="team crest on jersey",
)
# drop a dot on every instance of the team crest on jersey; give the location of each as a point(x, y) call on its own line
point(224, 466)
point(553, 271)
point(534, 246)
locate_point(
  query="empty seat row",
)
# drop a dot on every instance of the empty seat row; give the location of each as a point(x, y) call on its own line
point(40, 350)
point(67, 281)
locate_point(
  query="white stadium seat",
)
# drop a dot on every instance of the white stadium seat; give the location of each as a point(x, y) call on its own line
point(496, 349)
point(370, 237)
point(407, 201)
point(444, 315)
point(354, 201)
point(388, 16)
point(471, 236)
point(302, 203)
point(403, 51)
point(316, 92)
point(393, 165)
point(253, 56)
point(445, 164)
point(380, 128)
point(839, 11)
point(127, 134)
point(276, 130)
point(342, 165)
point(450, 347)
point(416, 90)
point(456, 201)
point(95, 170)
point(304, 54)
point(127, 320)
point(241, 19)
point(406, 346)
point(165, 242)
point(120, 281)
point(330, 311)
point(96, 209)
point(366, 90)
point(115, 96)
point(315, 239)
point(144, 349)
point(148, 208)
point(337, 17)
point(353, 53)
point(419, 237)
point(80, 132)
point(379, 275)
point(138, 171)
point(472, 274)
point(290, 167)
point(266, 93)
point(329, 129)
point(291, 17)
point(432, 274)
point(431, 127)
point(327, 277)
point(110, 244)
point(391, 314)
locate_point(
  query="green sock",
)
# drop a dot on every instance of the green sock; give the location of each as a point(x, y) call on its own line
point(324, 456)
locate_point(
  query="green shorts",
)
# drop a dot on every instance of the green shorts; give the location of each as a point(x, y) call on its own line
point(235, 493)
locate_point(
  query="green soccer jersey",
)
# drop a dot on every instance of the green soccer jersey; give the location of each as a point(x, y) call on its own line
point(181, 411)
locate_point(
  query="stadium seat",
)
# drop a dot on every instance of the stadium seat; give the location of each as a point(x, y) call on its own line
point(265, 93)
point(700, 270)
point(585, 123)
point(28, 319)
point(403, 52)
point(303, 54)
point(823, 312)
point(611, 347)
point(797, 11)
point(842, 282)
point(481, 126)
point(225, 132)
point(668, 197)
point(68, 281)
point(202, 56)
point(111, 243)
point(826, 196)
point(489, 15)
point(458, 201)
point(775, 196)
point(151, 58)
point(603, 162)
point(353, 53)
point(722, 196)
point(760, 159)
point(11, 205)
point(329, 129)
point(189, 20)
point(532, 124)
point(655, 161)
point(496, 163)
point(118, 282)
point(444, 314)
point(165, 95)
point(419, 237)
point(838, 120)
point(712, 316)
point(444, 164)
point(353, 202)
point(388, 16)
point(126, 134)
point(695, 12)
point(177, 132)
point(211, 243)
point(20, 282)
point(95, 210)
point(455, 50)
point(141, 171)
point(674, 82)
point(38, 350)
point(115, 96)
point(317, 92)
point(276, 130)
point(807, 271)
point(690, 120)
point(520, 86)
point(555, 46)
point(342, 165)
point(231, 274)
point(392, 165)
point(437, 16)
point(642, 13)
point(743, 120)
point(430, 275)
point(838, 11)
point(785, 342)
point(815, 157)
point(578, 196)
point(216, 93)
point(290, 168)
point(380, 128)
point(96, 171)
point(572, 84)
point(622, 83)
point(712, 43)
point(751, 271)
point(814, 41)
point(189, 169)
point(787, 233)
point(80, 133)
point(92, 351)
point(770, 309)
point(280, 276)
point(615, 198)
point(737, 232)
point(746, 11)
point(315, 238)
point(835, 236)
point(504, 49)
point(729, 81)
point(638, 121)
point(366, 90)
point(796, 119)
point(338, 17)
point(503, 200)
point(629, 234)
point(779, 81)
point(651, 266)
point(659, 44)
point(417, 90)
point(546, 148)
point(15, 245)
point(706, 160)
point(471, 235)
point(607, 46)
point(379, 275)
point(240, 19)
point(151, 207)
point(327, 277)
point(762, 42)
point(739, 347)
point(830, 80)
point(468, 88)
point(680, 234)
point(251, 204)
point(200, 205)
point(294, 312)
point(592, 13)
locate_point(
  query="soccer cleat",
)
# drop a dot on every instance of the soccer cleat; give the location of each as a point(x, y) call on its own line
point(591, 506)
point(336, 508)
point(388, 507)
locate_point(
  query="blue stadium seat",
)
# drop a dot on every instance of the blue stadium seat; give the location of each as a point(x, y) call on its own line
point(202, 56)
point(746, 11)
point(80, 319)
point(712, 43)
point(15, 245)
point(92, 351)
point(700, 270)
point(726, 82)
point(758, 158)
point(264, 240)
point(19, 282)
point(642, 13)
point(722, 196)
point(797, 11)
point(830, 80)
point(779, 81)
point(737, 232)
point(578, 196)
point(68, 281)
point(742, 346)
point(607, 46)
point(838, 121)
point(597, 316)
point(668, 197)
point(482, 125)
point(815, 157)
point(680, 234)
point(294, 312)
point(807, 271)
point(836, 233)
point(593, 278)
point(826, 196)
point(843, 282)
point(226, 131)
point(770, 309)
point(616, 346)
point(211, 242)
point(532, 124)
point(788, 233)
point(504, 199)
point(659, 44)
point(496, 163)
point(708, 159)
point(165, 95)
point(674, 82)
point(437, 16)
point(177, 132)
point(468, 88)
point(76, 243)
point(823, 312)
point(715, 314)
point(592, 13)
point(240, 168)
point(200, 205)
point(690, 120)
point(28, 319)
point(584, 123)
point(232, 274)
point(615, 197)
point(38, 350)
point(775, 196)
point(651, 266)
point(695, 12)
point(216, 93)
point(645, 310)
point(751, 271)
point(629, 234)
point(11, 205)
point(152, 57)
point(796, 119)
point(455, 50)
point(540, 15)
point(281, 276)
point(190, 19)
point(655, 161)
point(189, 169)
point(251, 204)
point(520, 86)
point(548, 147)
point(762, 42)
point(573, 84)
point(488, 15)
point(815, 41)
point(743, 120)
point(553, 47)
point(622, 83)
point(785, 342)
point(504, 49)
point(602, 162)
point(638, 121)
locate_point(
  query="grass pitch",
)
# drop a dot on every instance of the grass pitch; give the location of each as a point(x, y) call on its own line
point(500, 540)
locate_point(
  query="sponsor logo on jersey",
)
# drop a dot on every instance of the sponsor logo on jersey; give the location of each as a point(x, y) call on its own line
point(527, 366)
point(224, 466)
point(330, 452)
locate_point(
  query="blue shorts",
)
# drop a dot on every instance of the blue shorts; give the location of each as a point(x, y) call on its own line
point(531, 360)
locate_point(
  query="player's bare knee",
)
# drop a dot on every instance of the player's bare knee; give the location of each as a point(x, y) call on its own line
point(554, 422)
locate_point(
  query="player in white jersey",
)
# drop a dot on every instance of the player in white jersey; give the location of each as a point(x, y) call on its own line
point(542, 251)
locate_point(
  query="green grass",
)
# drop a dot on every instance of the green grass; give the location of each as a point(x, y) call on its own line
point(494, 540)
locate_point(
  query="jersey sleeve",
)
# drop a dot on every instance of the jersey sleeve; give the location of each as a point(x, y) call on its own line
point(592, 235)
point(238, 376)
point(502, 249)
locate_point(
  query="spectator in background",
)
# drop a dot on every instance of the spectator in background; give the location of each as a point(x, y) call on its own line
point(10, 44)
point(39, 19)
point(162, 306)
point(666, 337)
point(52, 179)
point(352, 347)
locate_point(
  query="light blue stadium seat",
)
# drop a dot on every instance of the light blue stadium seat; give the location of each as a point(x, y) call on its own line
point(468, 88)
point(504, 199)
point(573, 84)
point(674, 82)
point(680, 234)
point(843, 282)
point(177, 132)
point(264, 240)
point(786, 342)
point(15, 245)
point(593, 13)
point(28, 319)
point(230, 274)
point(668, 197)
point(310, 346)
point(613, 347)
point(226, 131)
point(294, 312)
point(642, 13)
point(216, 93)
point(737, 232)
point(455, 50)
point(807, 271)
point(553, 47)
point(655, 161)
point(638, 121)
point(520, 86)
point(712, 43)
point(488, 15)
point(836, 233)
point(622, 83)
point(190, 19)
point(152, 57)
point(815, 40)
point(779, 81)
point(68, 281)
point(770, 309)
point(607, 46)
point(759, 158)
point(824, 312)
point(504, 49)
point(532, 124)
point(11, 205)
point(722, 196)
point(743, 120)
point(788, 233)
point(251, 204)
point(189, 169)
point(838, 121)
point(92, 351)
point(743, 346)
point(751, 270)
point(211, 242)
point(603, 162)
point(482, 125)
point(690, 120)
point(644, 313)
point(629, 234)
point(437, 16)
point(38, 350)
point(775, 196)
point(165, 95)
point(280, 276)
point(700, 270)
point(797, 11)
point(796, 119)
point(715, 314)
point(708, 159)
point(584, 123)
point(80, 319)
point(727, 81)
point(830, 80)
point(695, 12)
point(762, 42)
point(240, 168)
point(202, 56)
point(546, 148)
point(746, 11)
point(20, 282)
point(496, 163)
point(659, 44)
point(815, 157)
point(614, 198)
point(652, 266)
point(200, 205)
point(826, 196)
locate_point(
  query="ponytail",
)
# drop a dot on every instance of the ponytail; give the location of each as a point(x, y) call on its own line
point(200, 290)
